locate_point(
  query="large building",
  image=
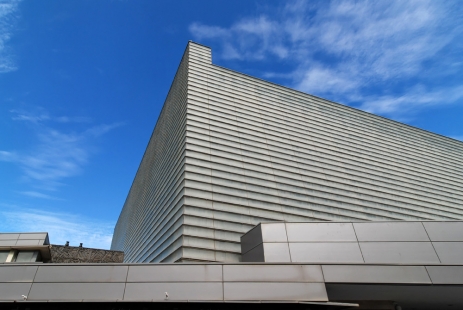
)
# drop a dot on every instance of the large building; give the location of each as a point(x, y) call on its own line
point(230, 151)
point(298, 202)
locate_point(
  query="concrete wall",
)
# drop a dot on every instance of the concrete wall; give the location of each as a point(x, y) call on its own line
point(70, 254)
point(256, 151)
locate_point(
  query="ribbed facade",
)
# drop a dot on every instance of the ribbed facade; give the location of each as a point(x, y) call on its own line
point(230, 151)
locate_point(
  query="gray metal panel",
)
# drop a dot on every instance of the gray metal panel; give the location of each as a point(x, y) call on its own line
point(276, 252)
point(446, 274)
point(255, 255)
point(76, 291)
point(274, 232)
point(251, 239)
point(375, 274)
point(17, 273)
point(28, 242)
point(14, 291)
point(399, 252)
point(444, 231)
point(8, 236)
point(174, 273)
point(335, 252)
point(272, 273)
point(176, 291)
point(391, 231)
point(30, 236)
point(274, 291)
point(11, 242)
point(449, 252)
point(300, 232)
point(81, 274)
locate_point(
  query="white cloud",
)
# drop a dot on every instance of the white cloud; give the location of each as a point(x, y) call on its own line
point(417, 97)
point(40, 115)
point(38, 195)
point(61, 227)
point(57, 154)
point(8, 12)
point(347, 50)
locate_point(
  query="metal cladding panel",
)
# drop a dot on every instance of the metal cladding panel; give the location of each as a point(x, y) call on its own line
point(251, 239)
point(320, 232)
point(175, 291)
point(277, 252)
point(391, 231)
point(274, 291)
point(275, 273)
point(29, 242)
point(271, 153)
point(76, 291)
point(375, 274)
point(86, 274)
point(169, 273)
point(332, 252)
point(17, 273)
point(254, 255)
point(8, 242)
point(399, 252)
point(449, 252)
point(14, 291)
point(444, 231)
point(446, 274)
point(31, 236)
point(9, 236)
point(274, 232)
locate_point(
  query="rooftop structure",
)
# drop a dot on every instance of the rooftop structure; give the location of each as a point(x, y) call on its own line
point(35, 247)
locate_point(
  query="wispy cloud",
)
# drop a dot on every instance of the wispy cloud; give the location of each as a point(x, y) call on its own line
point(38, 195)
point(58, 154)
point(8, 15)
point(40, 115)
point(401, 51)
point(61, 226)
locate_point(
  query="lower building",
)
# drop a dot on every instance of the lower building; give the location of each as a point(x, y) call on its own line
point(337, 265)
point(35, 247)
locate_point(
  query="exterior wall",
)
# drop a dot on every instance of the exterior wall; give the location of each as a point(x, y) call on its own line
point(355, 243)
point(214, 286)
point(69, 254)
point(256, 151)
point(149, 226)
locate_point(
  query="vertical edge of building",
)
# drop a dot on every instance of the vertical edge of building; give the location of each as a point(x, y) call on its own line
point(149, 228)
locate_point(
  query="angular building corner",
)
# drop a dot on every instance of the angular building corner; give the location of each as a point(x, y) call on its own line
point(230, 151)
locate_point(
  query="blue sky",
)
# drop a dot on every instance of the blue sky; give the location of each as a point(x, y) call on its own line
point(82, 84)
